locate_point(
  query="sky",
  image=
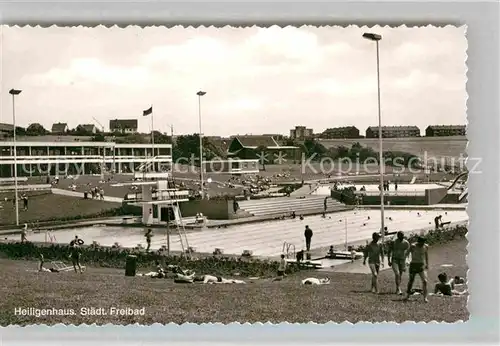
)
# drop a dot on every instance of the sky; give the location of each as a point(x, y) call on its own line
point(257, 80)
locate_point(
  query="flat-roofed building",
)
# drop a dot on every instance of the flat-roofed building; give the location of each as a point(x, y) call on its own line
point(393, 131)
point(6, 130)
point(81, 157)
point(301, 133)
point(445, 130)
point(340, 132)
point(232, 166)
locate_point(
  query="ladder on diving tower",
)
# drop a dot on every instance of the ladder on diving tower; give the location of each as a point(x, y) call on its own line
point(179, 224)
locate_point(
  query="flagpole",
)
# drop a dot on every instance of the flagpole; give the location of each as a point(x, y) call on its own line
point(152, 139)
point(172, 150)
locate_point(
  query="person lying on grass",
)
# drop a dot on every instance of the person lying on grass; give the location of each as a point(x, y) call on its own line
point(41, 268)
point(447, 287)
point(315, 281)
point(210, 279)
point(158, 274)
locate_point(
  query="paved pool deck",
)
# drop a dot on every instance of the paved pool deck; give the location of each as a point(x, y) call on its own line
point(266, 238)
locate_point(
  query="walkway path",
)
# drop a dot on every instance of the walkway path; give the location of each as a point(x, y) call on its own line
point(80, 195)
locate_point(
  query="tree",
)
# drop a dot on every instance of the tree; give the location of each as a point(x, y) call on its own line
point(313, 147)
point(80, 131)
point(20, 131)
point(161, 138)
point(98, 137)
point(36, 129)
point(188, 146)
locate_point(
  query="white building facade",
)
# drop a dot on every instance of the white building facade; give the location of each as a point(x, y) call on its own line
point(80, 158)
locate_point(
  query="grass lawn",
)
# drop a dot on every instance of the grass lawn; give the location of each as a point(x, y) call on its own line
point(345, 299)
point(50, 206)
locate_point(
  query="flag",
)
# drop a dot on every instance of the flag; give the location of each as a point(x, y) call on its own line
point(148, 111)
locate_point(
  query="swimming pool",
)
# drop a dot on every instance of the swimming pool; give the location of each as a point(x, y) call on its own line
point(267, 238)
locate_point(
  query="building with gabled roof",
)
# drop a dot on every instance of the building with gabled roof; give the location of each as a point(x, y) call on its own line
point(123, 125)
point(90, 128)
point(59, 128)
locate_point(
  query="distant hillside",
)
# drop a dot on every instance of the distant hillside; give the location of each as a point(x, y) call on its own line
point(433, 146)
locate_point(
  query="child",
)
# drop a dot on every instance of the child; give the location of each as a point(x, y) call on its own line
point(446, 287)
point(148, 236)
point(282, 267)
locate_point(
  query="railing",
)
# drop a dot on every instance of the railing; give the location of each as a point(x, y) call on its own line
point(391, 193)
point(288, 250)
point(38, 187)
point(159, 196)
point(81, 159)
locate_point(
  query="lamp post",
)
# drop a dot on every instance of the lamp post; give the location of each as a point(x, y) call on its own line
point(15, 92)
point(172, 169)
point(376, 38)
point(200, 94)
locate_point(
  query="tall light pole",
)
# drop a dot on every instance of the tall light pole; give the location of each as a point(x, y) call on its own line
point(172, 150)
point(15, 92)
point(376, 38)
point(200, 94)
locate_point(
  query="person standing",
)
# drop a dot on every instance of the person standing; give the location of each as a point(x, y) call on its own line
point(75, 253)
point(148, 236)
point(24, 233)
point(419, 265)
point(396, 256)
point(375, 255)
point(308, 234)
point(25, 202)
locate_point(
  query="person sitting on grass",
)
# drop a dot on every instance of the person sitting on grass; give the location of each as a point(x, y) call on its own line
point(41, 268)
point(315, 281)
point(446, 287)
point(281, 269)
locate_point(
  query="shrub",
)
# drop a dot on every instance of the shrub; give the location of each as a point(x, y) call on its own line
point(96, 255)
point(433, 237)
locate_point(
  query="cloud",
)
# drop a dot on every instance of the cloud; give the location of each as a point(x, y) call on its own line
point(257, 79)
point(89, 71)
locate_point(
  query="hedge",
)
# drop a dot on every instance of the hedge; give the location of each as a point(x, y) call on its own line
point(96, 255)
point(115, 258)
point(432, 237)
